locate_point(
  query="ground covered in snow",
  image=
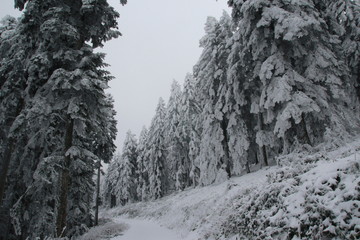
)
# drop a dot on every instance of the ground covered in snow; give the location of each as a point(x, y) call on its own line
point(310, 195)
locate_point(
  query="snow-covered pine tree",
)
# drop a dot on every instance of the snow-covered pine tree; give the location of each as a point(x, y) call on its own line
point(9, 98)
point(129, 174)
point(210, 72)
point(104, 147)
point(157, 153)
point(61, 112)
point(13, 52)
point(191, 126)
point(111, 178)
point(142, 166)
point(175, 156)
point(185, 128)
point(288, 54)
point(343, 19)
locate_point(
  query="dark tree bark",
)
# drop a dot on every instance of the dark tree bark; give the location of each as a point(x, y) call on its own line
point(247, 167)
point(305, 134)
point(263, 148)
point(10, 145)
point(6, 162)
point(64, 182)
point(97, 200)
point(227, 161)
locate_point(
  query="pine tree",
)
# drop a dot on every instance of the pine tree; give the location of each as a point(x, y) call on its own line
point(175, 155)
point(191, 126)
point(343, 19)
point(129, 175)
point(288, 56)
point(142, 166)
point(185, 128)
point(59, 119)
point(111, 178)
point(157, 153)
point(210, 73)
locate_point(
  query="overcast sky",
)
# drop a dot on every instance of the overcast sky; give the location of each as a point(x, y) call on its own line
point(160, 43)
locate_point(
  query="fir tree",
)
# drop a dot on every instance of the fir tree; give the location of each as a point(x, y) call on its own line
point(290, 60)
point(142, 166)
point(210, 73)
point(175, 154)
point(185, 128)
point(112, 175)
point(157, 153)
point(62, 112)
point(129, 175)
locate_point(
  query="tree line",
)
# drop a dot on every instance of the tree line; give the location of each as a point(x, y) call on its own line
point(273, 78)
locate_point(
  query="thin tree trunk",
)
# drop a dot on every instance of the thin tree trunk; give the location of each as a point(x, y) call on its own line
point(247, 167)
point(263, 148)
point(305, 132)
point(10, 145)
point(7, 157)
point(97, 202)
point(226, 147)
point(64, 183)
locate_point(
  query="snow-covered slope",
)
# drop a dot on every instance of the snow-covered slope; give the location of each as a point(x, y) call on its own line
point(308, 196)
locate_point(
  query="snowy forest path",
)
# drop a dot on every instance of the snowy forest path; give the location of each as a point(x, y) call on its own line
point(141, 229)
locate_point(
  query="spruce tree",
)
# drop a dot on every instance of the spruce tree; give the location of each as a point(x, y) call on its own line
point(157, 153)
point(185, 128)
point(142, 166)
point(111, 178)
point(129, 175)
point(175, 154)
point(210, 73)
point(60, 120)
point(294, 80)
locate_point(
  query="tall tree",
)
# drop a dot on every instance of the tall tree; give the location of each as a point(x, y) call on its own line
point(62, 114)
point(157, 153)
point(288, 56)
point(111, 178)
point(142, 166)
point(175, 155)
point(210, 73)
point(188, 109)
point(129, 175)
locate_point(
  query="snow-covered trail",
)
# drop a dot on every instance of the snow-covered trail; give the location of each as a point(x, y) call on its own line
point(140, 229)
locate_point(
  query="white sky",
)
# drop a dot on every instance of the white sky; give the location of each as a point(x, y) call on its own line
point(160, 43)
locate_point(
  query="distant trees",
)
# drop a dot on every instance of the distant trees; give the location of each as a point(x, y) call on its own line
point(275, 77)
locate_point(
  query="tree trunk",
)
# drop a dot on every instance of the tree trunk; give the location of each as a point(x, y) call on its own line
point(97, 201)
point(247, 167)
point(64, 183)
point(263, 148)
point(226, 147)
point(6, 163)
point(305, 132)
point(10, 145)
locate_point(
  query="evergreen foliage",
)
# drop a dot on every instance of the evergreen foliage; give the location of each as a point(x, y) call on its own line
point(57, 119)
point(273, 78)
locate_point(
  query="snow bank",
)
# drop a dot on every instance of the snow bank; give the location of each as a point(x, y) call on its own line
point(105, 230)
point(144, 230)
point(308, 196)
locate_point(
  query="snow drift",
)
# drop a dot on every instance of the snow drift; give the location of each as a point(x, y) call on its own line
point(309, 195)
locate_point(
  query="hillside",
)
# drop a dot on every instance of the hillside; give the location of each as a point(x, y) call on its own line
point(315, 196)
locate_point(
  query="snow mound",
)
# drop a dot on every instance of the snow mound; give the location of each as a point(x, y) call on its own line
point(307, 196)
point(105, 231)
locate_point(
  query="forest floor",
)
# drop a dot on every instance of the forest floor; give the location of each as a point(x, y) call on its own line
point(210, 212)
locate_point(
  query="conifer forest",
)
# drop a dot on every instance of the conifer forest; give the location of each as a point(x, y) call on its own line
point(260, 141)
